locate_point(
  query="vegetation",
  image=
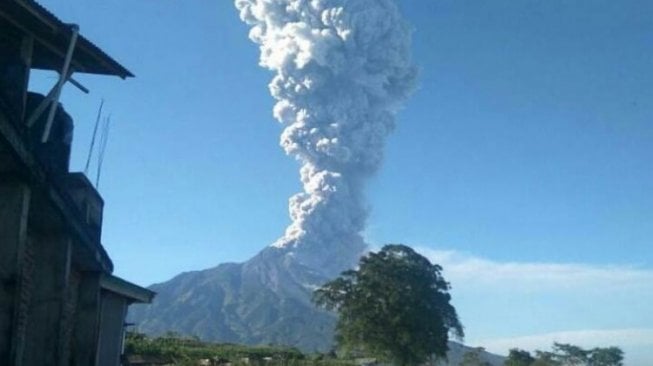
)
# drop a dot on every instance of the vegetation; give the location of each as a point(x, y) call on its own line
point(191, 351)
point(567, 355)
point(395, 307)
point(473, 358)
point(518, 357)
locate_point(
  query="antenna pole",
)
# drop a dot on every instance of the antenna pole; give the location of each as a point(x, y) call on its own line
point(90, 149)
point(104, 138)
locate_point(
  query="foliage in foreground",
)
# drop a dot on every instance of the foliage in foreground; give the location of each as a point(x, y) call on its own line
point(395, 307)
point(567, 355)
point(190, 351)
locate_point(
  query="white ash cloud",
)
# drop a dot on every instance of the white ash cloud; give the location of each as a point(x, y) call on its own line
point(343, 68)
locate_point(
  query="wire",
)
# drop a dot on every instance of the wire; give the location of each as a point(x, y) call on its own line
point(90, 150)
point(104, 139)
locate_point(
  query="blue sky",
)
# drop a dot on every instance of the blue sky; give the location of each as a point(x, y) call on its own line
point(522, 162)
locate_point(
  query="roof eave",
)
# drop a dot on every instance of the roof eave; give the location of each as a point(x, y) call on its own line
point(127, 289)
point(89, 58)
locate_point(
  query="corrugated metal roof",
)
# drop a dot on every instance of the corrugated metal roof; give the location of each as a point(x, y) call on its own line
point(52, 37)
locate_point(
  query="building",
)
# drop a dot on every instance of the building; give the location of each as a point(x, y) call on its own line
point(59, 302)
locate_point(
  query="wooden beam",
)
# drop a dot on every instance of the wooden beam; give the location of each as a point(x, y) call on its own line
point(79, 85)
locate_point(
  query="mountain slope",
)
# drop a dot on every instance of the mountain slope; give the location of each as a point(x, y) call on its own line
point(265, 300)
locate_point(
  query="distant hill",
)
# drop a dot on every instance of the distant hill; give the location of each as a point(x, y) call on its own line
point(264, 301)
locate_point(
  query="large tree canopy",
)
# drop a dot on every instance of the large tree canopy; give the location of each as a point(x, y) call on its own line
point(396, 306)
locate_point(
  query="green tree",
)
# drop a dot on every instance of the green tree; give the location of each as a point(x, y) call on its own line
point(519, 357)
point(395, 307)
point(543, 358)
point(610, 356)
point(569, 354)
point(473, 358)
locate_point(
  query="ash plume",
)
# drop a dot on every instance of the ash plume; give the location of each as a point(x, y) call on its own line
point(343, 68)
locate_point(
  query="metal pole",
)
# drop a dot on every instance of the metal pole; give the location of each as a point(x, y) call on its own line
point(38, 111)
point(90, 149)
point(78, 85)
point(63, 76)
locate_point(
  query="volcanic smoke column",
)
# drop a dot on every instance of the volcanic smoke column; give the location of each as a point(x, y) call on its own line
point(343, 68)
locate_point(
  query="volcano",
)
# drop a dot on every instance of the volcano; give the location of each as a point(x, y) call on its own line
point(265, 300)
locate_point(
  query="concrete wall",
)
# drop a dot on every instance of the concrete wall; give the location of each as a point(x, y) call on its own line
point(114, 309)
point(46, 319)
point(51, 313)
point(14, 206)
point(87, 321)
